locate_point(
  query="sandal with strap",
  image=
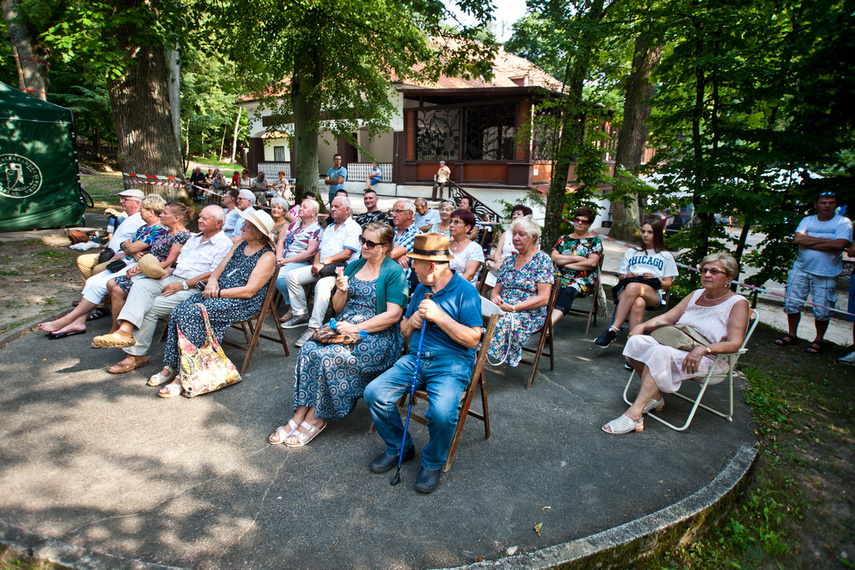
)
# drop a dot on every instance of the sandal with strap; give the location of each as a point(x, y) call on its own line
point(114, 340)
point(131, 362)
point(170, 391)
point(304, 437)
point(623, 424)
point(787, 340)
point(282, 433)
point(654, 404)
point(160, 379)
point(814, 348)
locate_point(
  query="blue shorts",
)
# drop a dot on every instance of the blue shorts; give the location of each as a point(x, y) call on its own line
point(821, 290)
point(374, 181)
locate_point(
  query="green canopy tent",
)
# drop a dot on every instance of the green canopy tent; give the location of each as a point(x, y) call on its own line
point(39, 186)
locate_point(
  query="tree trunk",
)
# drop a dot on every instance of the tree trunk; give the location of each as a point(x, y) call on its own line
point(31, 60)
point(307, 110)
point(174, 68)
point(633, 133)
point(222, 145)
point(234, 138)
point(142, 112)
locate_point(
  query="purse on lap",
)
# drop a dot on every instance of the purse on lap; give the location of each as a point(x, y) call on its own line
point(681, 337)
point(328, 334)
point(205, 369)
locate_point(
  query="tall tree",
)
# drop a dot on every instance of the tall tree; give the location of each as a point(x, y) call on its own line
point(329, 65)
point(32, 56)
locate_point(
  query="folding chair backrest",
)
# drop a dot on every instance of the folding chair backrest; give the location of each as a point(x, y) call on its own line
point(545, 335)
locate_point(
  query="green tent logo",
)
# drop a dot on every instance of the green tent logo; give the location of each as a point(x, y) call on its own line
point(19, 176)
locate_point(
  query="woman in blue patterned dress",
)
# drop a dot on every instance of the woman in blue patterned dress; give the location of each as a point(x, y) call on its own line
point(577, 257)
point(370, 296)
point(166, 248)
point(235, 292)
point(522, 291)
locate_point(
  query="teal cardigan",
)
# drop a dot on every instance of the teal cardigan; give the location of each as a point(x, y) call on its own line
point(391, 283)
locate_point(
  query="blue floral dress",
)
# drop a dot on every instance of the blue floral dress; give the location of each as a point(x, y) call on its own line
point(517, 286)
point(159, 249)
point(332, 377)
point(221, 312)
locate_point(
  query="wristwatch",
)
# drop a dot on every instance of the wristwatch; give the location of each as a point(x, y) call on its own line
point(707, 350)
point(184, 285)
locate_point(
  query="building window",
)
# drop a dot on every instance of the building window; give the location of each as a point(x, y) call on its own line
point(279, 154)
point(438, 134)
point(488, 132)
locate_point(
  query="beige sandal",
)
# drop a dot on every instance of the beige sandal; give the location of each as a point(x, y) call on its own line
point(160, 379)
point(282, 433)
point(117, 339)
point(130, 362)
point(304, 437)
point(170, 391)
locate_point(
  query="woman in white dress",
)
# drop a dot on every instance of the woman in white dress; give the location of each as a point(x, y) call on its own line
point(714, 311)
point(646, 272)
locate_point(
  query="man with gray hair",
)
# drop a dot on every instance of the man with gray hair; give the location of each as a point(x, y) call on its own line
point(245, 201)
point(403, 213)
point(339, 245)
point(425, 216)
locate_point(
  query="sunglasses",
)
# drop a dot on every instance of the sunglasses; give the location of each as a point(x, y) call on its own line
point(828, 193)
point(711, 271)
point(581, 221)
point(370, 244)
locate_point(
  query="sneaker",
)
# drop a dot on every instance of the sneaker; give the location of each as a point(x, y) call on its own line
point(306, 336)
point(627, 365)
point(605, 339)
point(297, 321)
point(848, 359)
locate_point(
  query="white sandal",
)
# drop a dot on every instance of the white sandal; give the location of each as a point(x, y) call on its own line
point(282, 433)
point(305, 437)
point(159, 379)
point(172, 390)
point(623, 424)
point(654, 404)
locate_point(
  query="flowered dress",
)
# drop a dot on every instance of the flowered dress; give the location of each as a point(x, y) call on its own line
point(159, 249)
point(434, 229)
point(583, 281)
point(517, 286)
point(332, 377)
point(221, 312)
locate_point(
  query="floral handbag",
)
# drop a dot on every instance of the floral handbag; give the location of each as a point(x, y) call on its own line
point(207, 368)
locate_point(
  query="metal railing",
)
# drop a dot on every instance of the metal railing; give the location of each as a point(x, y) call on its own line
point(359, 171)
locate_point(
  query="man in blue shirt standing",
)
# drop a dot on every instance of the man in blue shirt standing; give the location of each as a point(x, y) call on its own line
point(335, 177)
point(453, 330)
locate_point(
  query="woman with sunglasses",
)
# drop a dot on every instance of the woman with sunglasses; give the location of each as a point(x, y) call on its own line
point(370, 296)
point(577, 256)
point(644, 274)
point(715, 312)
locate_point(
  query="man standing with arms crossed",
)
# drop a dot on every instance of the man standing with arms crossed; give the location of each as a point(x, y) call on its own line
point(335, 177)
point(821, 240)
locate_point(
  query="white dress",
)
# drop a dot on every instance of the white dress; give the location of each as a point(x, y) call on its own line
point(666, 363)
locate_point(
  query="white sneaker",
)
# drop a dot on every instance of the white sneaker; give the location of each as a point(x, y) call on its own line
point(306, 336)
point(848, 359)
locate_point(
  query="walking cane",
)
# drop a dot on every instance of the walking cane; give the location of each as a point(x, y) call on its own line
point(397, 478)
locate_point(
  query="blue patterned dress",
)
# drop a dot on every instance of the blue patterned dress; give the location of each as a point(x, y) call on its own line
point(332, 377)
point(517, 286)
point(160, 249)
point(221, 312)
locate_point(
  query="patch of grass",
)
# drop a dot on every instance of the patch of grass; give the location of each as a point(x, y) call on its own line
point(7, 272)
point(10, 559)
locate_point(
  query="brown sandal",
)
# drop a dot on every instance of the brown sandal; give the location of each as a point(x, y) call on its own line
point(132, 362)
point(117, 339)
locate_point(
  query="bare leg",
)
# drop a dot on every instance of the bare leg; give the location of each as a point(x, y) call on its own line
point(821, 327)
point(77, 318)
point(629, 300)
point(117, 300)
point(793, 323)
point(299, 416)
point(309, 418)
point(648, 391)
point(556, 316)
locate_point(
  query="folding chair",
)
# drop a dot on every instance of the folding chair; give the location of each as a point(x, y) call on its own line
point(482, 279)
point(731, 357)
point(475, 383)
point(252, 327)
point(595, 296)
point(546, 336)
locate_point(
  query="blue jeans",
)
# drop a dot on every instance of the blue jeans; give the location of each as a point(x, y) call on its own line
point(445, 377)
point(281, 284)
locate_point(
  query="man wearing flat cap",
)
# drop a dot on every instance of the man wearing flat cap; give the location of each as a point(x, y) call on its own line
point(453, 316)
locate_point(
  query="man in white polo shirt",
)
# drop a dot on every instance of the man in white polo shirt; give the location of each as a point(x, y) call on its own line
point(339, 245)
point(151, 299)
point(131, 201)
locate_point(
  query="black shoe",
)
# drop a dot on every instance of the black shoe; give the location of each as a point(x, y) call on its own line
point(605, 339)
point(383, 462)
point(427, 480)
point(627, 365)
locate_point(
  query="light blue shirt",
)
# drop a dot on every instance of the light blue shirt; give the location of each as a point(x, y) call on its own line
point(822, 263)
point(334, 173)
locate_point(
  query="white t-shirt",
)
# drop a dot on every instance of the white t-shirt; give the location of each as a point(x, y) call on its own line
point(126, 231)
point(472, 252)
point(822, 263)
point(660, 264)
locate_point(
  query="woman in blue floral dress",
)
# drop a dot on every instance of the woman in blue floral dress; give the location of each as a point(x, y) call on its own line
point(577, 257)
point(522, 291)
point(370, 296)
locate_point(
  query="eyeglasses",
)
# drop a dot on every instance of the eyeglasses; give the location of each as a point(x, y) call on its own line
point(370, 244)
point(581, 221)
point(713, 272)
point(400, 211)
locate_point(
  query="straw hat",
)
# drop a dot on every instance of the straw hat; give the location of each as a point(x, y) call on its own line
point(431, 247)
point(150, 267)
point(262, 222)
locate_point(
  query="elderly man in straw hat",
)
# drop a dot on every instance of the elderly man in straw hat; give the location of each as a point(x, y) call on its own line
point(151, 299)
point(451, 308)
